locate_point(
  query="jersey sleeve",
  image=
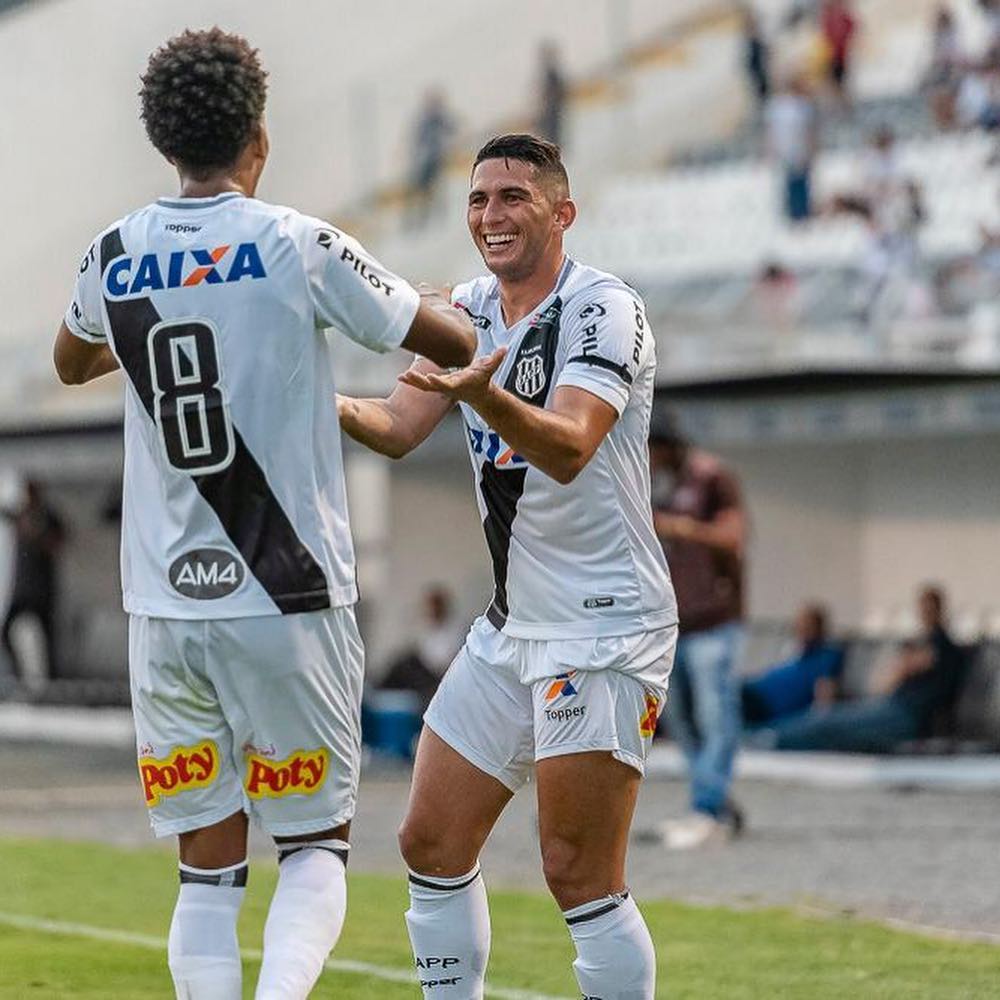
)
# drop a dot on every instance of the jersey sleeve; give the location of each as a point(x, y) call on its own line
point(84, 318)
point(608, 342)
point(352, 291)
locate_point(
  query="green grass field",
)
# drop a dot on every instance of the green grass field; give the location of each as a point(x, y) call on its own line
point(703, 953)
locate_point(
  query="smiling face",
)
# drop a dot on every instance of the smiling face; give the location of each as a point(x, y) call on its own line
point(516, 218)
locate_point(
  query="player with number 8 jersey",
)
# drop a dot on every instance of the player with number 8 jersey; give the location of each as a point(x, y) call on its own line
point(238, 573)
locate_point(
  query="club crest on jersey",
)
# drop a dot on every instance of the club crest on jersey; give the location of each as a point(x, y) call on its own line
point(530, 378)
point(206, 574)
point(128, 276)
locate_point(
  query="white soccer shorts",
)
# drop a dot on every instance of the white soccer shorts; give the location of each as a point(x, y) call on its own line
point(506, 703)
point(261, 714)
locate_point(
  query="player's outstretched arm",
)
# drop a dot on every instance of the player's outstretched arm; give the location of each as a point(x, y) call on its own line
point(559, 441)
point(396, 425)
point(440, 331)
point(78, 361)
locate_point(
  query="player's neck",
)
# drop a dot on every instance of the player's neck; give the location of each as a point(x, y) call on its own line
point(191, 188)
point(519, 298)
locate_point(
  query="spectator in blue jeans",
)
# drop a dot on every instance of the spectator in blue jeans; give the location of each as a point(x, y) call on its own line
point(922, 678)
point(807, 678)
point(699, 517)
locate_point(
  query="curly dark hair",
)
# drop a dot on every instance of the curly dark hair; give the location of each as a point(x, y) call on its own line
point(543, 155)
point(202, 99)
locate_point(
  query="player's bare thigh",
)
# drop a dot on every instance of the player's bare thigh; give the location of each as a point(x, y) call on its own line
point(453, 807)
point(585, 806)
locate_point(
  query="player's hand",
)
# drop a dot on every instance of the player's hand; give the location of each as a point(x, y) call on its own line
point(466, 385)
point(439, 298)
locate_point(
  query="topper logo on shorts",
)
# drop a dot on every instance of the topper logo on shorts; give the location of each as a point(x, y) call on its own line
point(302, 773)
point(563, 687)
point(647, 724)
point(154, 272)
point(183, 769)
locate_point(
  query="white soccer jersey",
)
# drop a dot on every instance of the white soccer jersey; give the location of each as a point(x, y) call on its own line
point(234, 500)
point(580, 560)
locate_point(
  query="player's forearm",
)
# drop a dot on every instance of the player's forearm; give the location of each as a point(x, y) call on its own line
point(372, 423)
point(552, 442)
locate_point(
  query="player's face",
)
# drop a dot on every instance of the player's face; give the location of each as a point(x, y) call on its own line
point(514, 221)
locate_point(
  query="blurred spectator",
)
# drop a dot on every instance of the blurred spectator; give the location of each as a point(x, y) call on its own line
point(945, 67)
point(775, 301)
point(801, 51)
point(808, 678)
point(922, 679)
point(756, 57)
point(698, 516)
point(839, 28)
point(421, 668)
point(10, 503)
point(40, 537)
point(552, 95)
point(792, 142)
point(891, 204)
point(431, 135)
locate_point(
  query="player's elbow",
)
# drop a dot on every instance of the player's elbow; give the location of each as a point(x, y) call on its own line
point(569, 466)
point(68, 373)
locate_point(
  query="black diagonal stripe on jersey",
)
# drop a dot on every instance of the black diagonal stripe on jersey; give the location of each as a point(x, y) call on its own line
point(598, 362)
point(240, 494)
point(502, 488)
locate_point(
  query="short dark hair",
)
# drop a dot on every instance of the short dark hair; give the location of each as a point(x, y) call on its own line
point(202, 98)
point(543, 155)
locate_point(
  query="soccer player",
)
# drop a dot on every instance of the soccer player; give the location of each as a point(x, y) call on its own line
point(566, 672)
point(237, 563)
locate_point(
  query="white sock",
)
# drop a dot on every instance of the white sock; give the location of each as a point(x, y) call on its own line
point(449, 925)
point(615, 959)
point(305, 918)
point(202, 950)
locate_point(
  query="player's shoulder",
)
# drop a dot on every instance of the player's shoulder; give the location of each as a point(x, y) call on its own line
point(475, 293)
point(589, 291)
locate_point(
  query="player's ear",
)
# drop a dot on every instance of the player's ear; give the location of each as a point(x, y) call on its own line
point(565, 213)
point(261, 141)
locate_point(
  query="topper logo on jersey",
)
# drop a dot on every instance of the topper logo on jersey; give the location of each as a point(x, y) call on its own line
point(300, 774)
point(182, 769)
point(206, 574)
point(152, 272)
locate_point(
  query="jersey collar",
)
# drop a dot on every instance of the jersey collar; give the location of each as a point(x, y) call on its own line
point(196, 203)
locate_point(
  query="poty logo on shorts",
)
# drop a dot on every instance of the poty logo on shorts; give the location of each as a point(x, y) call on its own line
point(562, 686)
point(182, 269)
point(182, 769)
point(300, 774)
point(647, 724)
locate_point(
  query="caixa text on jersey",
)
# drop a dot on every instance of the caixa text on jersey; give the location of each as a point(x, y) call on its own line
point(152, 272)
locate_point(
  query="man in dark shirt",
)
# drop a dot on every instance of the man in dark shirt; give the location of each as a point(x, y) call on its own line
point(40, 536)
point(808, 678)
point(921, 678)
point(698, 515)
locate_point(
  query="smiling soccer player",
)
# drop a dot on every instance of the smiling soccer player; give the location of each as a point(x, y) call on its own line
point(237, 562)
point(566, 672)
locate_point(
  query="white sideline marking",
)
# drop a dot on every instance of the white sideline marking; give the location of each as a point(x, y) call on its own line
point(28, 923)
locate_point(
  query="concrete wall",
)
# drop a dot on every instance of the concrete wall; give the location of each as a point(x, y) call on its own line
point(861, 525)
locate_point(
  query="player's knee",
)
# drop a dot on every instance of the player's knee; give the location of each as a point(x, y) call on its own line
point(569, 873)
point(427, 849)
